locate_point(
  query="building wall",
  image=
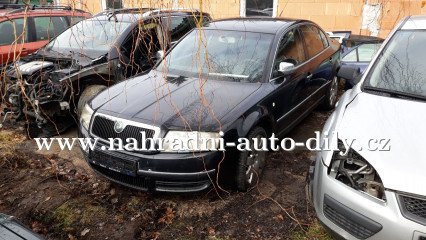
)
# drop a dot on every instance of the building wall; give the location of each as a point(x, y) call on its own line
point(331, 15)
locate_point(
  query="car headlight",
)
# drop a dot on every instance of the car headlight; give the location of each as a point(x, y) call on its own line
point(191, 141)
point(353, 170)
point(85, 116)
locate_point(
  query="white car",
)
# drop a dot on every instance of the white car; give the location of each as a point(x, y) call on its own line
point(377, 190)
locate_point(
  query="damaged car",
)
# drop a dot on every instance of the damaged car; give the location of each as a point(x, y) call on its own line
point(369, 182)
point(48, 88)
point(234, 78)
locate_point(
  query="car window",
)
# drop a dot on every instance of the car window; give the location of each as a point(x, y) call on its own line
point(367, 51)
point(323, 38)
point(351, 56)
point(227, 56)
point(290, 49)
point(401, 66)
point(313, 41)
point(177, 27)
point(75, 19)
point(49, 27)
point(9, 29)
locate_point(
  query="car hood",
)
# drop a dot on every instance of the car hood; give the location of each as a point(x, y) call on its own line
point(173, 102)
point(371, 116)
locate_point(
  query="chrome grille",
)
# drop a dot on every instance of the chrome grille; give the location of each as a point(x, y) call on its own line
point(103, 127)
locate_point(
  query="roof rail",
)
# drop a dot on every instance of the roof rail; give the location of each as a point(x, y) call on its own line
point(170, 9)
point(122, 10)
point(22, 7)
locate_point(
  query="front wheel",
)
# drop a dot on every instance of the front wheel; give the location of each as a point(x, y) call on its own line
point(251, 163)
point(88, 93)
point(331, 95)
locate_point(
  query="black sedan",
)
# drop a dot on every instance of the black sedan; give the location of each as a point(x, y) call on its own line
point(236, 78)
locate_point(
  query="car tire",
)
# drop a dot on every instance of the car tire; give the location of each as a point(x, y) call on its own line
point(87, 94)
point(251, 163)
point(331, 95)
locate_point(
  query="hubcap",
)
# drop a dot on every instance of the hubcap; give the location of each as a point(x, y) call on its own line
point(255, 162)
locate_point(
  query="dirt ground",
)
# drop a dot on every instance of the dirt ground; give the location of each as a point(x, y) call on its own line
point(57, 194)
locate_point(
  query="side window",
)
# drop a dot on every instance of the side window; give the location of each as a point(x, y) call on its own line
point(367, 51)
point(74, 19)
point(290, 49)
point(323, 38)
point(351, 56)
point(312, 38)
point(49, 27)
point(7, 31)
point(177, 27)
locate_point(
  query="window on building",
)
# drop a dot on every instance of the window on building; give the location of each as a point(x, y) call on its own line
point(9, 30)
point(313, 40)
point(255, 8)
point(49, 27)
point(115, 4)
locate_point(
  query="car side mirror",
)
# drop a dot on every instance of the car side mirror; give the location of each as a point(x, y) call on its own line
point(159, 55)
point(349, 72)
point(286, 68)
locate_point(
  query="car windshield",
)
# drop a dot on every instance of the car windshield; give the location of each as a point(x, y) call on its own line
point(222, 55)
point(402, 66)
point(92, 36)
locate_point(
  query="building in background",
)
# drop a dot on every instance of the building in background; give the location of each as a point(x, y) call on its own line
point(367, 17)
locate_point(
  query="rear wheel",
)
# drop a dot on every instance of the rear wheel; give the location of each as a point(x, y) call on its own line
point(251, 163)
point(88, 93)
point(331, 96)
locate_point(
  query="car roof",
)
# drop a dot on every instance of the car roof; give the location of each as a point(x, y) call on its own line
point(415, 22)
point(263, 25)
point(17, 9)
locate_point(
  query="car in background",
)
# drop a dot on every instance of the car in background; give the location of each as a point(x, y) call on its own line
point(87, 58)
point(349, 40)
point(374, 188)
point(42, 23)
point(245, 77)
point(11, 229)
point(359, 56)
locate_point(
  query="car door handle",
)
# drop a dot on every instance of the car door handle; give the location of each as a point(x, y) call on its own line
point(310, 75)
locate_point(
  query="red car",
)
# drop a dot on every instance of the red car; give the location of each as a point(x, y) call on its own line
point(22, 34)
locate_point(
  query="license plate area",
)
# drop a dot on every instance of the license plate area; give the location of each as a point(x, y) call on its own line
point(115, 162)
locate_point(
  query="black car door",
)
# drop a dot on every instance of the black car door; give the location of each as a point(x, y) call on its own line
point(320, 65)
point(287, 95)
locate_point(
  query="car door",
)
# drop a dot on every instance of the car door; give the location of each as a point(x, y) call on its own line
point(9, 48)
point(286, 98)
point(320, 65)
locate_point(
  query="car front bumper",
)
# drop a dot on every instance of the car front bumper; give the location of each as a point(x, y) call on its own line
point(350, 214)
point(161, 172)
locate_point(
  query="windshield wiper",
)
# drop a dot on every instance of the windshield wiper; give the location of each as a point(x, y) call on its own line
point(394, 93)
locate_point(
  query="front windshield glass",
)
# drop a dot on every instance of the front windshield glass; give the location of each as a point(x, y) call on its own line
point(91, 35)
point(223, 55)
point(402, 66)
